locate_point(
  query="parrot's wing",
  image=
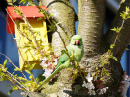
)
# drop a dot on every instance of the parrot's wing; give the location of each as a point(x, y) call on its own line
point(63, 59)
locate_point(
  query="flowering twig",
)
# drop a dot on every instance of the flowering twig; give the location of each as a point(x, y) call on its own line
point(13, 65)
point(17, 27)
point(29, 26)
point(125, 16)
point(13, 79)
point(13, 36)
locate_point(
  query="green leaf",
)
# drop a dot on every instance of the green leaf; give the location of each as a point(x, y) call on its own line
point(51, 15)
point(128, 16)
point(13, 88)
point(23, 1)
point(105, 72)
point(32, 66)
point(52, 27)
point(17, 69)
point(31, 3)
point(111, 46)
point(27, 50)
point(111, 55)
point(18, 11)
point(127, 9)
point(37, 79)
point(103, 63)
point(28, 71)
point(127, 49)
point(114, 58)
point(108, 51)
point(117, 30)
point(4, 69)
point(123, 15)
point(31, 76)
point(9, 2)
point(21, 78)
point(114, 29)
point(39, 19)
point(14, 1)
point(3, 79)
point(2, 76)
point(5, 62)
point(10, 91)
point(15, 76)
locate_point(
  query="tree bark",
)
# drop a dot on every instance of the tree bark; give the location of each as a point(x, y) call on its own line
point(91, 20)
point(65, 14)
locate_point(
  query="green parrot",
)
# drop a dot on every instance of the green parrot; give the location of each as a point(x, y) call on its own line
point(75, 50)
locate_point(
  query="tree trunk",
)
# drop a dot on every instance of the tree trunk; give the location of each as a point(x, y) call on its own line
point(91, 20)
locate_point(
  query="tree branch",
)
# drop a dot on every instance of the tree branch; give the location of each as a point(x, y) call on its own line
point(124, 38)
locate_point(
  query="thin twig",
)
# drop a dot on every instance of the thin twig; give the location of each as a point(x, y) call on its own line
point(116, 38)
point(14, 82)
point(15, 44)
point(114, 44)
point(13, 64)
point(13, 37)
point(64, 45)
point(29, 26)
point(24, 75)
point(9, 60)
point(17, 28)
point(13, 75)
point(33, 77)
point(17, 81)
point(81, 73)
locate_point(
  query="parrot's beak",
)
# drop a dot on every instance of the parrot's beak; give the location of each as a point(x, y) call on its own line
point(77, 42)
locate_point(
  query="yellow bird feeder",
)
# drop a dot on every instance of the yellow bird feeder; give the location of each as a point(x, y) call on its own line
point(31, 13)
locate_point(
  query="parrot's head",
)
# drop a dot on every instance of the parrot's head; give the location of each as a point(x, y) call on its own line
point(76, 40)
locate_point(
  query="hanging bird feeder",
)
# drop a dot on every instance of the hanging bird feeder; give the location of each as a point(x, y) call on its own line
point(15, 21)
